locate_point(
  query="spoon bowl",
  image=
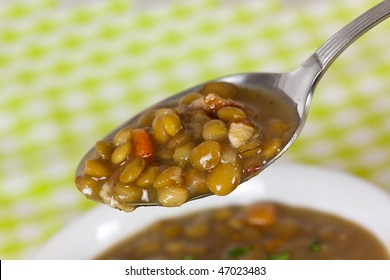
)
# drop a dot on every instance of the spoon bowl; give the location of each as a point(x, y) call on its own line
point(297, 86)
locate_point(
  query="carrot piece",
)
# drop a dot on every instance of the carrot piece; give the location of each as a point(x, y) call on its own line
point(143, 146)
point(261, 214)
point(273, 244)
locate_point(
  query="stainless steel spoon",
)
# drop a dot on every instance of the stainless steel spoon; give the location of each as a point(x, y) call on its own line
point(298, 85)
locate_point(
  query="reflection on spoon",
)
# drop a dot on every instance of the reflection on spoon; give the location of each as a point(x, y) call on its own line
point(212, 137)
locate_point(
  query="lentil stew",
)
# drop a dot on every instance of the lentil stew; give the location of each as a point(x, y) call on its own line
point(262, 230)
point(208, 142)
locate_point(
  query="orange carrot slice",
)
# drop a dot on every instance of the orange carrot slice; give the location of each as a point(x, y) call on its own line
point(143, 146)
point(261, 214)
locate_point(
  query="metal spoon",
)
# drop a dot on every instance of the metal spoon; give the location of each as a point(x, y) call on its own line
point(298, 85)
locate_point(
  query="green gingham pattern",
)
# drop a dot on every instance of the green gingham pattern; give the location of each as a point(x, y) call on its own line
point(70, 71)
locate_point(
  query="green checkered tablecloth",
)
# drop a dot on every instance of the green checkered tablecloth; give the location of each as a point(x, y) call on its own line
point(70, 71)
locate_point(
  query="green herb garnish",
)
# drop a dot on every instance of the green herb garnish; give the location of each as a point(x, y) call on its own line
point(315, 246)
point(239, 251)
point(285, 255)
point(189, 257)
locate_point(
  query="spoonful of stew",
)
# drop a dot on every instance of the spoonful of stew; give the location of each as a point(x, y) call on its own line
point(210, 138)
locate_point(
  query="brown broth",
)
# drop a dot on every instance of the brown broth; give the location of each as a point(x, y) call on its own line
point(259, 231)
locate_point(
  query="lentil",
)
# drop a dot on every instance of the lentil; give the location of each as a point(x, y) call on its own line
point(121, 153)
point(182, 153)
point(215, 130)
point(230, 114)
point(132, 170)
point(223, 179)
point(172, 196)
point(171, 123)
point(224, 90)
point(188, 98)
point(97, 168)
point(148, 176)
point(122, 136)
point(104, 149)
point(127, 193)
point(206, 155)
point(168, 178)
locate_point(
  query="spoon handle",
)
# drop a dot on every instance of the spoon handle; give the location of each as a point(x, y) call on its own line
point(332, 48)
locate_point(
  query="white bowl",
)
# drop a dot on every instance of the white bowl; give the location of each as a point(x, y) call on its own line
point(296, 185)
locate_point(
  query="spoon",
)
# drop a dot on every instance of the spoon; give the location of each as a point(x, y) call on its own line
point(298, 85)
